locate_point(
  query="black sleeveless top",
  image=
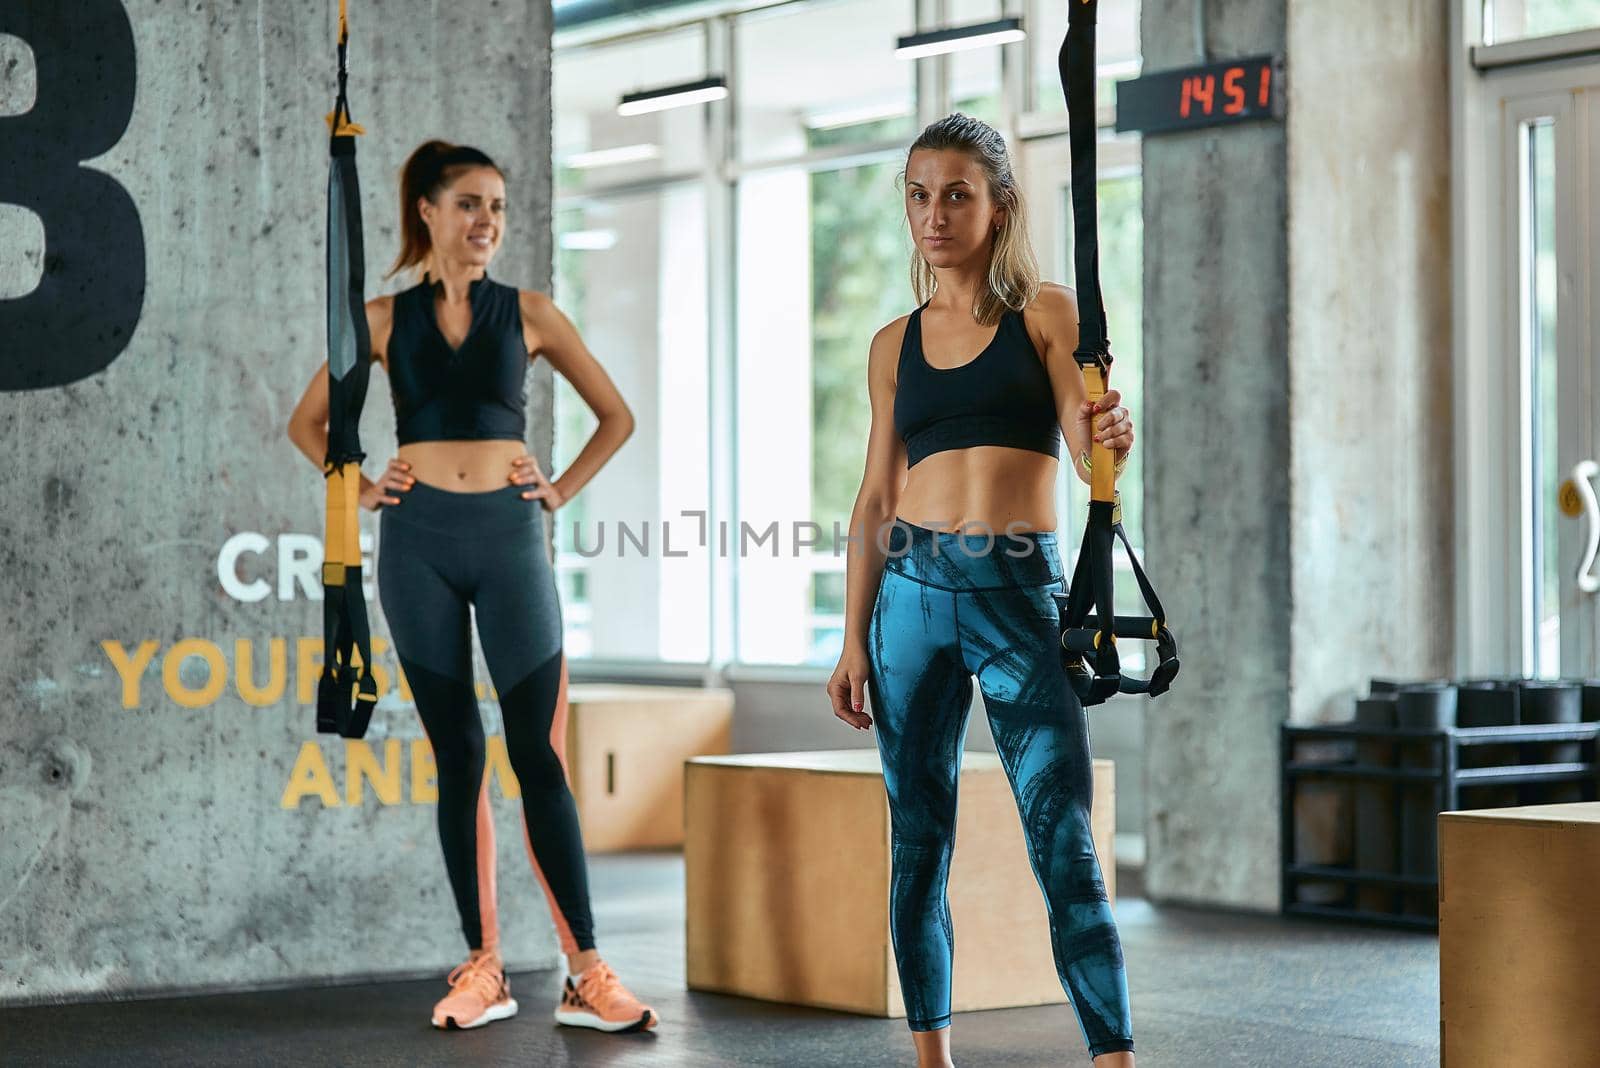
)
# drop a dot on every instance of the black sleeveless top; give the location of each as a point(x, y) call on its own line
point(474, 393)
point(1000, 397)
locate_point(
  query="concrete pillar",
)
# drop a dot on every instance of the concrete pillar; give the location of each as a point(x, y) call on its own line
point(1370, 374)
point(1297, 493)
point(169, 818)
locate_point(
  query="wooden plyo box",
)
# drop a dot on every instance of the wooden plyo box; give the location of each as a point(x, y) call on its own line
point(1519, 936)
point(625, 751)
point(787, 871)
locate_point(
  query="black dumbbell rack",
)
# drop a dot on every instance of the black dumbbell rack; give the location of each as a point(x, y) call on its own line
point(1446, 775)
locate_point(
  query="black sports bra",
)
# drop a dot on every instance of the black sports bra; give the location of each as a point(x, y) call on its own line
point(1000, 397)
point(477, 392)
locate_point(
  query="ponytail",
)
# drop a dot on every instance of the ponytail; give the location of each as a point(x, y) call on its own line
point(428, 170)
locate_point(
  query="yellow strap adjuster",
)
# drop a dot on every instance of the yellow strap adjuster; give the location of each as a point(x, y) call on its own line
point(345, 128)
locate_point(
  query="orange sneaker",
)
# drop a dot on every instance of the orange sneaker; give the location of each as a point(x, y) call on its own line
point(599, 1000)
point(479, 993)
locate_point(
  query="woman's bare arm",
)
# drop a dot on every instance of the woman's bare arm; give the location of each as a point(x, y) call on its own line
point(882, 481)
point(308, 423)
point(551, 334)
point(876, 505)
point(1055, 315)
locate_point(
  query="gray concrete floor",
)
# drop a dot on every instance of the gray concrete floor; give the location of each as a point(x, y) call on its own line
point(1209, 990)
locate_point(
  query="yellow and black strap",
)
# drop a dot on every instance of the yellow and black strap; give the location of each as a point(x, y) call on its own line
point(348, 690)
point(1089, 626)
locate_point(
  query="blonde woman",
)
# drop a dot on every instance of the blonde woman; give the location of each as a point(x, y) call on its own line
point(971, 394)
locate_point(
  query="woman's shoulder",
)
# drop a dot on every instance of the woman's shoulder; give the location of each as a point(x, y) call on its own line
point(1053, 301)
point(892, 334)
point(533, 301)
point(380, 326)
point(883, 359)
point(380, 311)
point(1051, 317)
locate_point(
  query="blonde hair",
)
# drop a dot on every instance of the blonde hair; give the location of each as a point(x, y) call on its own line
point(1013, 280)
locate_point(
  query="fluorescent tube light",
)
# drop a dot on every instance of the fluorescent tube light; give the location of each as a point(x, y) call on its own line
point(612, 157)
point(854, 116)
point(1118, 68)
point(673, 96)
point(960, 38)
point(589, 240)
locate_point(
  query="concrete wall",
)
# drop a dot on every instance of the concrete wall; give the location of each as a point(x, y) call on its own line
point(1293, 495)
point(1370, 375)
point(1216, 436)
point(168, 819)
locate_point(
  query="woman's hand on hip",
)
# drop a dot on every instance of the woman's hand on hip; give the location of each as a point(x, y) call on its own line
point(847, 688)
point(525, 472)
point(1108, 423)
point(396, 478)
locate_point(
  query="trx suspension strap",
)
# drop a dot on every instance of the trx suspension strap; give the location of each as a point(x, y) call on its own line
point(1089, 639)
point(346, 693)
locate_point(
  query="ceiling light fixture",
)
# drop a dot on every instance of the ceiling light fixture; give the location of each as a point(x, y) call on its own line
point(613, 157)
point(960, 38)
point(673, 96)
point(855, 116)
point(589, 240)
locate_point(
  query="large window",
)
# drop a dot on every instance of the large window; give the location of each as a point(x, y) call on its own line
point(631, 272)
point(1509, 20)
point(975, 75)
point(632, 275)
point(1541, 415)
point(1116, 51)
point(787, 110)
point(1527, 118)
point(729, 263)
point(594, 145)
point(822, 265)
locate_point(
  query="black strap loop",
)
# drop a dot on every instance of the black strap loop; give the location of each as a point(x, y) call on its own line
point(346, 693)
point(1088, 639)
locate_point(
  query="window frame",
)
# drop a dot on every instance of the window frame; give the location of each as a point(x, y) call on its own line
point(1022, 125)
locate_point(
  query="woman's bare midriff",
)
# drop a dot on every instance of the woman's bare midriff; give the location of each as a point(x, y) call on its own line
point(463, 466)
point(982, 488)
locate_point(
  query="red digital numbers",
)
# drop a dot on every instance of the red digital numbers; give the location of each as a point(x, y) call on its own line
point(1199, 93)
point(1230, 88)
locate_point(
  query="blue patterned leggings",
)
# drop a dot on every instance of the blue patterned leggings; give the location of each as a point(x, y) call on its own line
point(952, 606)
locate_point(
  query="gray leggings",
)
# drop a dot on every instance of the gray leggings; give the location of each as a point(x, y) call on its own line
point(439, 554)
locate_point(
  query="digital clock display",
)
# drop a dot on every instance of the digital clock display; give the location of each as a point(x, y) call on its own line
point(1236, 91)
